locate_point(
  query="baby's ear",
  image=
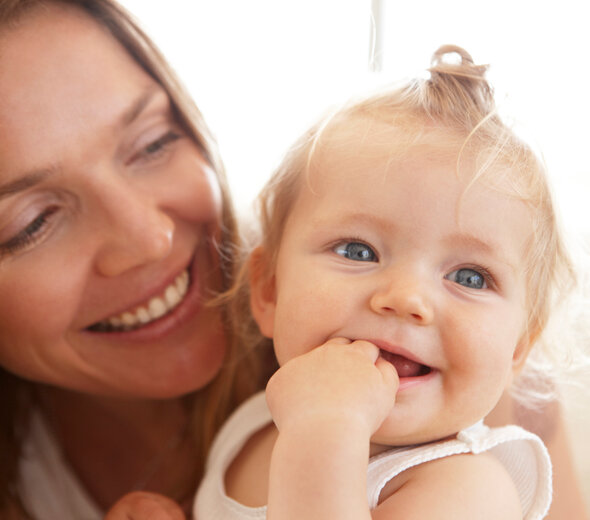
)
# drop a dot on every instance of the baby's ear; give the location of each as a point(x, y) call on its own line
point(522, 350)
point(262, 290)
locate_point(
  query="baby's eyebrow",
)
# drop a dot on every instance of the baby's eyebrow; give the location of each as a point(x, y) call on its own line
point(487, 247)
point(353, 218)
point(471, 241)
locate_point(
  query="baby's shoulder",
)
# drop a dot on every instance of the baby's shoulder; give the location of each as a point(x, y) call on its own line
point(246, 479)
point(454, 487)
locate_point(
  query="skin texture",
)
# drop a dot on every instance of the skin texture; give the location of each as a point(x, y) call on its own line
point(372, 255)
point(104, 201)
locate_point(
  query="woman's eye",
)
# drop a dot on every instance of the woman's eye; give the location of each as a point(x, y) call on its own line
point(356, 251)
point(29, 235)
point(468, 278)
point(155, 148)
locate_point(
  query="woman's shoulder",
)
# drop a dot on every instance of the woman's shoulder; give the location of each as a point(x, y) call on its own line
point(47, 485)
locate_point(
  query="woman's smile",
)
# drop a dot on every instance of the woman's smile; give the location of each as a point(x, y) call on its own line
point(168, 310)
point(156, 307)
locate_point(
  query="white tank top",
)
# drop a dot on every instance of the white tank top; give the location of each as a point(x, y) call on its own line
point(522, 453)
point(48, 487)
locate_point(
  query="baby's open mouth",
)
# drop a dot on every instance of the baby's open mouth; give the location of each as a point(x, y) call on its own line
point(155, 308)
point(405, 367)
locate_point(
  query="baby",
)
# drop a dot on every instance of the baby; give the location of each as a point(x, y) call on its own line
point(408, 257)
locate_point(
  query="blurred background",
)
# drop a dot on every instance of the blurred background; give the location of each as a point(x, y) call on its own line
point(261, 71)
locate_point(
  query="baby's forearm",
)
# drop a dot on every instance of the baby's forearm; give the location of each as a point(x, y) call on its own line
point(318, 471)
point(326, 404)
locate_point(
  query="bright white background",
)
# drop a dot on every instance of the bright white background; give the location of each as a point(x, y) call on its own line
point(262, 70)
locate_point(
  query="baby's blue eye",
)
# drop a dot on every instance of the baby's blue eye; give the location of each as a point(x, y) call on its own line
point(356, 251)
point(468, 278)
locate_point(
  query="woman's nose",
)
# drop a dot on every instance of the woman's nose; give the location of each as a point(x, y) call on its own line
point(404, 297)
point(137, 232)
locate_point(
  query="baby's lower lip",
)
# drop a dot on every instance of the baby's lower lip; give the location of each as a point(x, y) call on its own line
point(406, 368)
point(408, 382)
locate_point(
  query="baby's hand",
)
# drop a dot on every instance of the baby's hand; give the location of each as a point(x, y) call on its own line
point(340, 381)
point(141, 505)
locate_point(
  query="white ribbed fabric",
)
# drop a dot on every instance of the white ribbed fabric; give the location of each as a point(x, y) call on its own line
point(48, 487)
point(211, 502)
point(522, 453)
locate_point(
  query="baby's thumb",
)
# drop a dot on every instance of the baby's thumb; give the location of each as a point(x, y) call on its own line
point(141, 505)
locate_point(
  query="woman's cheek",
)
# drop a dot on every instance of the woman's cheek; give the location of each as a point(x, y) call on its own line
point(40, 295)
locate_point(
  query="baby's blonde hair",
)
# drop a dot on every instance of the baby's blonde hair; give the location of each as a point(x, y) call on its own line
point(453, 110)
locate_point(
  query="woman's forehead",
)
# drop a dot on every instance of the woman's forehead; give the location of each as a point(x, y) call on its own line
point(56, 45)
point(63, 80)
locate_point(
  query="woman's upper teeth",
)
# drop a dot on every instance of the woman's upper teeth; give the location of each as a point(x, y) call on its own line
point(155, 308)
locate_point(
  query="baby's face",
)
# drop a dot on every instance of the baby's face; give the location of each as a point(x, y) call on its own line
point(396, 252)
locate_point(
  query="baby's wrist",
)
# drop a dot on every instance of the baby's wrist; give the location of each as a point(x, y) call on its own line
point(314, 422)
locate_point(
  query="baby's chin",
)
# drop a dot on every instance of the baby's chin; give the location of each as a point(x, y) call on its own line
point(383, 442)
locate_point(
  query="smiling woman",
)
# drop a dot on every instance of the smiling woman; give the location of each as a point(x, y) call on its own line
point(129, 194)
point(114, 220)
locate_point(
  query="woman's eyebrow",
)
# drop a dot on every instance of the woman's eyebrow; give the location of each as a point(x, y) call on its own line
point(35, 177)
point(138, 106)
point(24, 182)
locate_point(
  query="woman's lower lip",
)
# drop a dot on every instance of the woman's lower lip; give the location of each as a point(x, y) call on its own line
point(158, 329)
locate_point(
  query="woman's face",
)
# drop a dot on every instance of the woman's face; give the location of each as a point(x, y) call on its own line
point(107, 215)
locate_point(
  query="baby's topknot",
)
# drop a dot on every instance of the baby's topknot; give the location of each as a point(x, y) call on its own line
point(458, 86)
